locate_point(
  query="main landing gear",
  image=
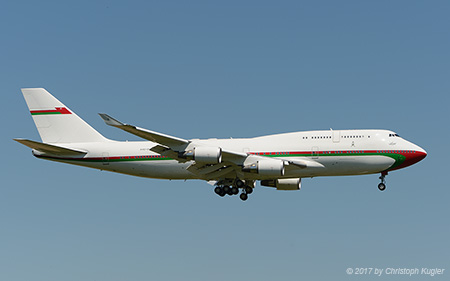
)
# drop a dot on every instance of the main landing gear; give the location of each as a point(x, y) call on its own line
point(225, 189)
point(382, 185)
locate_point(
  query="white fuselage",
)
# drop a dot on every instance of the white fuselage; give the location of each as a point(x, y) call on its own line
point(343, 152)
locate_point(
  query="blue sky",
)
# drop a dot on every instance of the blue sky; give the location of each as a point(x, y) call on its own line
point(199, 69)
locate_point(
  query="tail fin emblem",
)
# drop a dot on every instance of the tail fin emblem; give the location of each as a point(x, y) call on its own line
point(57, 110)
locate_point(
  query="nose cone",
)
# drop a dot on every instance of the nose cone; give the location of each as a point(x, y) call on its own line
point(413, 156)
point(417, 156)
point(420, 154)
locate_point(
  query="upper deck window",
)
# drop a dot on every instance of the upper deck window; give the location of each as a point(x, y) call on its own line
point(393, 135)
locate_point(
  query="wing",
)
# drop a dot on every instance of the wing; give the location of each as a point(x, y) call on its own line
point(231, 164)
point(167, 145)
point(166, 140)
point(175, 148)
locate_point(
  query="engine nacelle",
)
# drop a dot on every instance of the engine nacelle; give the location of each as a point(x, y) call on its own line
point(266, 167)
point(205, 154)
point(283, 184)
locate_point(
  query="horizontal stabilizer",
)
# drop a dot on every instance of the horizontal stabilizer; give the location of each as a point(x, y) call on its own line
point(50, 149)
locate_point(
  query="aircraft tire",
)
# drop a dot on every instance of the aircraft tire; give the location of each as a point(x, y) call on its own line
point(218, 190)
point(381, 186)
point(248, 189)
point(239, 183)
point(243, 196)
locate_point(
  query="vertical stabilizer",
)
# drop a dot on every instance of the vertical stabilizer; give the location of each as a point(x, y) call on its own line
point(55, 122)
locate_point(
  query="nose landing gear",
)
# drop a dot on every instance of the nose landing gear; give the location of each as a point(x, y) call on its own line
point(382, 185)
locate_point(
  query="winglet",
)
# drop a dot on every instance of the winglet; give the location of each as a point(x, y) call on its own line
point(110, 121)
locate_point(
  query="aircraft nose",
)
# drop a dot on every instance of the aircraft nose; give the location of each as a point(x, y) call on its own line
point(413, 155)
point(420, 154)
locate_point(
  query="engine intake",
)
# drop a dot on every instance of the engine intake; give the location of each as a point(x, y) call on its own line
point(205, 154)
point(266, 167)
point(283, 184)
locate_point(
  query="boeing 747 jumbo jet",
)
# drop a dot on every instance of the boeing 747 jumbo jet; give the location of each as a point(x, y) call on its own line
point(231, 165)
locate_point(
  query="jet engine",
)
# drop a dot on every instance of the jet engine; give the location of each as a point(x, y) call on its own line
point(205, 154)
point(283, 184)
point(266, 167)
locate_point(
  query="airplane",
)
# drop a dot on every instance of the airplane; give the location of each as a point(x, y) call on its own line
point(232, 165)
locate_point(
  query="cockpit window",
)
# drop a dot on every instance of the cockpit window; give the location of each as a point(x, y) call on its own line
point(393, 135)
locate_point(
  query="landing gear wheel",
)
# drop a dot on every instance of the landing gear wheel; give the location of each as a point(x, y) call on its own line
point(248, 189)
point(219, 191)
point(234, 190)
point(381, 186)
point(225, 189)
point(243, 196)
point(239, 183)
